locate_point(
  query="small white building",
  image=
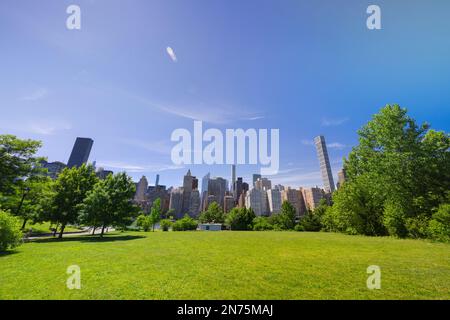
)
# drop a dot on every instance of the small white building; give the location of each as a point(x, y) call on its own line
point(210, 226)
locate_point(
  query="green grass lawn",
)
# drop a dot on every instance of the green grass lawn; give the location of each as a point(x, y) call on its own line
point(226, 265)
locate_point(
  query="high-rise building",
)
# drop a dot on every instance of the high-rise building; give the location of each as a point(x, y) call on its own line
point(141, 189)
point(325, 167)
point(228, 203)
point(102, 173)
point(217, 187)
point(312, 197)
point(254, 200)
point(256, 176)
point(341, 178)
point(294, 197)
point(233, 177)
point(263, 184)
point(80, 152)
point(274, 201)
point(157, 180)
point(53, 168)
point(195, 204)
point(204, 190)
point(176, 203)
point(237, 189)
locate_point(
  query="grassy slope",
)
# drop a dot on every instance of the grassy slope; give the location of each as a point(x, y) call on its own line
point(227, 265)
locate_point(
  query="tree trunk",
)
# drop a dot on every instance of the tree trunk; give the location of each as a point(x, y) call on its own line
point(25, 220)
point(62, 231)
point(55, 230)
point(103, 231)
point(93, 230)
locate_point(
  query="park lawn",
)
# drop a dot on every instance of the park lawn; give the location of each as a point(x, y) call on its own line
point(226, 265)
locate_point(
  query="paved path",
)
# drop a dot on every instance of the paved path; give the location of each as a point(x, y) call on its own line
point(84, 232)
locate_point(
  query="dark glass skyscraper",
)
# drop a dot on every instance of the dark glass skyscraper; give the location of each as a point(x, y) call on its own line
point(80, 152)
point(325, 167)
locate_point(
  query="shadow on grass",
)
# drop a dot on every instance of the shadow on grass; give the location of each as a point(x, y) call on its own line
point(7, 253)
point(89, 238)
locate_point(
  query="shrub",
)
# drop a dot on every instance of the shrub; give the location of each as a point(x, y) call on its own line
point(144, 222)
point(240, 219)
point(439, 226)
point(299, 227)
point(309, 222)
point(165, 224)
point(185, 224)
point(10, 234)
point(262, 224)
point(417, 227)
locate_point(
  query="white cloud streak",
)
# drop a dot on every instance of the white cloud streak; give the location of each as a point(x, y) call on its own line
point(327, 122)
point(171, 54)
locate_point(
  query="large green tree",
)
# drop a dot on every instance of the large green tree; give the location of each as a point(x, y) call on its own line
point(17, 161)
point(71, 189)
point(240, 219)
point(214, 214)
point(109, 203)
point(397, 176)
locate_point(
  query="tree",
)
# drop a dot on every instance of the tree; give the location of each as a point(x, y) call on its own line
point(285, 220)
point(144, 222)
point(262, 224)
point(397, 176)
point(240, 219)
point(109, 203)
point(312, 221)
point(165, 224)
point(71, 189)
point(155, 213)
point(17, 161)
point(214, 214)
point(10, 233)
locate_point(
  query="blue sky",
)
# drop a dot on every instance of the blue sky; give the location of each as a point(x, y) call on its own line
point(304, 67)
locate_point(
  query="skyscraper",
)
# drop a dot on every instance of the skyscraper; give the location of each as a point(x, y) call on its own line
point(274, 200)
point(256, 176)
point(325, 166)
point(233, 177)
point(80, 152)
point(141, 189)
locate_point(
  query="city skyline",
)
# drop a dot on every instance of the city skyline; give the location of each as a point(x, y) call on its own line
point(116, 81)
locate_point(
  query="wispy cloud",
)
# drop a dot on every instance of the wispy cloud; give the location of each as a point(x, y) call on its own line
point(308, 179)
point(215, 113)
point(336, 145)
point(38, 94)
point(160, 147)
point(307, 142)
point(137, 167)
point(331, 122)
point(171, 54)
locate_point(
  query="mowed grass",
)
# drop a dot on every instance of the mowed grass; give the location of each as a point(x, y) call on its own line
point(227, 265)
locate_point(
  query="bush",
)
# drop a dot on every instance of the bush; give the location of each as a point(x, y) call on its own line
point(10, 233)
point(165, 224)
point(144, 222)
point(309, 222)
point(417, 227)
point(240, 219)
point(262, 224)
point(439, 226)
point(185, 224)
